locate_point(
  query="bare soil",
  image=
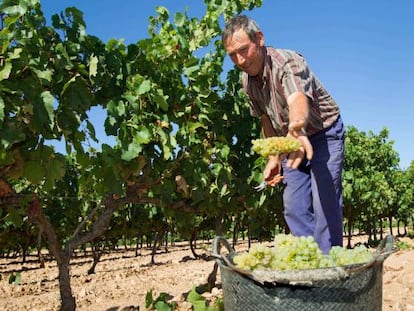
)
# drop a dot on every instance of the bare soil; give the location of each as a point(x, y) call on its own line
point(122, 280)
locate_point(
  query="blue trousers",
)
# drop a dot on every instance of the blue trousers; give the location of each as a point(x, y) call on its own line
point(312, 195)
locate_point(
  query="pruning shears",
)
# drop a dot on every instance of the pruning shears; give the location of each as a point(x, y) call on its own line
point(273, 182)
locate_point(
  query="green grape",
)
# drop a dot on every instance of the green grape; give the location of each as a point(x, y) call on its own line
point(275, 145)
point(298, 253)
point(326, 262)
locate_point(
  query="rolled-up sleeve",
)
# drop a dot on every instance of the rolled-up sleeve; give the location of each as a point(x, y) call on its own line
point(297, 76)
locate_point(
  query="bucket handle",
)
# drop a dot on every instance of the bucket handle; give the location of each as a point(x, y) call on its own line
point(385, 248)
point(220, 241)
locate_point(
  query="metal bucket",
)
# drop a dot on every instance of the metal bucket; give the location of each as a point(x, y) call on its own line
point(357, 287)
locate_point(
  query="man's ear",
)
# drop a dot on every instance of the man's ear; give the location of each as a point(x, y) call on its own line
point(260, 38)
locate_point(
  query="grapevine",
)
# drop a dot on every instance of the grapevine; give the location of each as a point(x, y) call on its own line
point(275, 145)
point(298, 253)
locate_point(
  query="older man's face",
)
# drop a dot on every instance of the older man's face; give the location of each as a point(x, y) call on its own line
point(246, 54)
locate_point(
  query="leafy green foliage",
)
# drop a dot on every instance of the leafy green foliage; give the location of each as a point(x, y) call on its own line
point(373, 186)
point(401, 245)
point(199, 303)
point(165, 104)
point(160, 303)
point(15, 278)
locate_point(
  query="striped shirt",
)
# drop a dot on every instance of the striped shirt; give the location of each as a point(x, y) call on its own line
point(286, 72)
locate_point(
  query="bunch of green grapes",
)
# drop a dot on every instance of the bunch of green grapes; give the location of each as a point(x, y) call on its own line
point(259, 257)
point(294, 253)
point(357, 255)
point(289, 253)
point(298, 253)
point(275, 145)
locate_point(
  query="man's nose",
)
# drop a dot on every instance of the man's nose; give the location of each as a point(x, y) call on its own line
point(240, 59)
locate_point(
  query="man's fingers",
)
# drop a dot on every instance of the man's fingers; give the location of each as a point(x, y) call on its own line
point(307, 146)
point(308, 149)
point(272, 167)
point(276, 180)
point(295, 158)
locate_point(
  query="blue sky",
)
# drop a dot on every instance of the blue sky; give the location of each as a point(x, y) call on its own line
point(362, 51)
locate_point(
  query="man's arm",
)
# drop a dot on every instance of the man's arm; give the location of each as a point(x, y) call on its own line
point(298, 104)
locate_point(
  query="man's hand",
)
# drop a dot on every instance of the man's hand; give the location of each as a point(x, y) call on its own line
point(272, 170)
point(295, 158)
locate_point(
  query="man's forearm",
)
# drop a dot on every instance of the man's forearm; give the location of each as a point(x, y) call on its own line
point(298, 110)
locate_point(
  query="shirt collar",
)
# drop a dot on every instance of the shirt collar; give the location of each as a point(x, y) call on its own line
point(262, 78)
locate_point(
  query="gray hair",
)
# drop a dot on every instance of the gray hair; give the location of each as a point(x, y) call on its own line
point(240, 22)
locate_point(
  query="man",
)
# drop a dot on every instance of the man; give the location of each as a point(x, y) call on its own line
point(291, 101)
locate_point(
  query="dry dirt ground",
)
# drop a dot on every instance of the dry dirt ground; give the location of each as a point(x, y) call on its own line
point(122, 280)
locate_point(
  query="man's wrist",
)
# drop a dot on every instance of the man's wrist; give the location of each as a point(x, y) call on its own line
point(297, 124)
point(297, 127)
